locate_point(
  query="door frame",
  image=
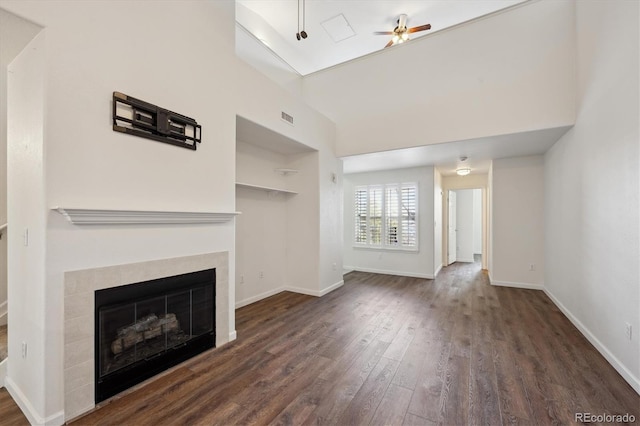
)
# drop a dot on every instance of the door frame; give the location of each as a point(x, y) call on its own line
point(485, 221)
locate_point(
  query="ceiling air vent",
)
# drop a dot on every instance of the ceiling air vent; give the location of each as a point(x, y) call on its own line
point(286, 117)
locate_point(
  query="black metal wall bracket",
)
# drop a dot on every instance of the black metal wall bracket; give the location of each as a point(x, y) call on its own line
point(139, 118)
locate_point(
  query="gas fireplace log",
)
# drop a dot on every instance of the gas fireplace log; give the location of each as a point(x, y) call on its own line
point(144, 329)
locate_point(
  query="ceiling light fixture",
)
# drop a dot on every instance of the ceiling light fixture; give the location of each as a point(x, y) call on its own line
point(463, 171)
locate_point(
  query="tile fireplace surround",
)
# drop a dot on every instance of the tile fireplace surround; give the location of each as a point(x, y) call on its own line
point(79, 327)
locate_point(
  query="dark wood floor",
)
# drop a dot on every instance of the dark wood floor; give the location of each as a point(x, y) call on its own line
point(10, 414)
point(389, 350)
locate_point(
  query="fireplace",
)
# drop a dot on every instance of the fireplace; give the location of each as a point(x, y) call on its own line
point(144, 328)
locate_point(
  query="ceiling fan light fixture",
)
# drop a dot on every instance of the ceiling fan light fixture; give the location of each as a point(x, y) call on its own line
point(463, 171)
point(405, 36)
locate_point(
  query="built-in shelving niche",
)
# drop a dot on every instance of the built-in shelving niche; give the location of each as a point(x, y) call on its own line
point(276, 185)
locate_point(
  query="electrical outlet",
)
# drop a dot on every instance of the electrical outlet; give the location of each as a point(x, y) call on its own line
point(532, 267)
point(627, 330)
point(24, 349)
point(241, 279)
point(261, 274)
point(335, 266)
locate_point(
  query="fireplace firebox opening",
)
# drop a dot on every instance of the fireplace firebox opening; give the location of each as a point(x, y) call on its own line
point(145, 328)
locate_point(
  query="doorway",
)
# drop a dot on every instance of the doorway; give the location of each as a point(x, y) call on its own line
point(464, 239)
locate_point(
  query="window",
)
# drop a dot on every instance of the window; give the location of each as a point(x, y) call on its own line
point(386, 216)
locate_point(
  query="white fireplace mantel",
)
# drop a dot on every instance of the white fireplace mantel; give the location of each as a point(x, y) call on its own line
point(130, 217)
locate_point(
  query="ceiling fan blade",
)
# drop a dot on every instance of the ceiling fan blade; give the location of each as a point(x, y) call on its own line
point(419, 28)
point(389, 44)
point(383, 32)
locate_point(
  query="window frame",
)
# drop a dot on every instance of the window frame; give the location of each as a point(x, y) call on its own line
point(359, 230)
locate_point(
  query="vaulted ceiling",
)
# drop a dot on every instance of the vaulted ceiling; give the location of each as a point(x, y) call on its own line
point(340, 31)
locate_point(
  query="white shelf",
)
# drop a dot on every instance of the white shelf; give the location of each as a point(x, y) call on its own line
point(130, 217)
point(264, 188)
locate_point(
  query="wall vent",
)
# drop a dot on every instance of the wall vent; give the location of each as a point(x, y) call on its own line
point(286, 117)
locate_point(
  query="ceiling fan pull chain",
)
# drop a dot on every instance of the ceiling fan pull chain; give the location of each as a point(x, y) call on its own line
point(298, 33)
point(303, 33)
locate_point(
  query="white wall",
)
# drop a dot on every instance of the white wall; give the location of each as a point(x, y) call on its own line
point(26, 211)
point(477, 221)
point(315, 224)
point(489, 210)
point(416, 264)
point(523, 82)
point(261, 229)
point(437, 220)
point(592, 189)
point(518, 222)
point(88, 165)
point(15, 33)
point(464, 225)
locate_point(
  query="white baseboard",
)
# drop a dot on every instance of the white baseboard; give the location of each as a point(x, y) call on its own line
point(3, 371)
point(604, 351)
point(387, 272)
point(438, 269)
point(527, 286)
point(332, 287)
point(30, 413)
point(292, 289)
point(465, 260)
point(233, 336)
point(258, 297)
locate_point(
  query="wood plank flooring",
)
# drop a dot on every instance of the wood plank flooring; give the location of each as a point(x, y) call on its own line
point(10, 414)
point(387, 350)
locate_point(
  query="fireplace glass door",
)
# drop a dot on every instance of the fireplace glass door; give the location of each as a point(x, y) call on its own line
point(142, 330)
point(146, 327)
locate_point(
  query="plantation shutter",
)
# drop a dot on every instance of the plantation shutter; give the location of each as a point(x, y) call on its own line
point(375, 215)
point(386, 216)
point(409, 206)
point(392, 216)
point(361, 215)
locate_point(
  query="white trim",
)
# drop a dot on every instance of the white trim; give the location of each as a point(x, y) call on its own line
point(465, 260)
point(233, 336)
point(258, 297)
point(3, 371)
point(128, 217)
point(438, 269)
point(30, 413)
point(527, 286)
point(388, 272)
point(604, 351)
point(292, 289)
point(332, 287)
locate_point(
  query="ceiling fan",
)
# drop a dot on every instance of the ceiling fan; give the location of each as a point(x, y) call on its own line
point(401, 32)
